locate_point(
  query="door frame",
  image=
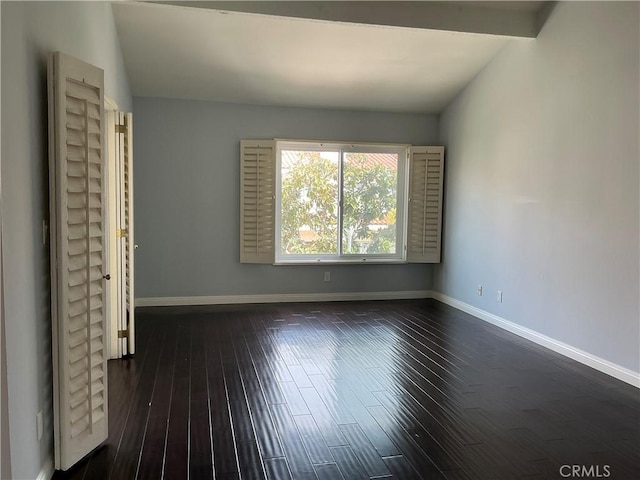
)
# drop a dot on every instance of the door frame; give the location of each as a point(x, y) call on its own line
point(111, 107)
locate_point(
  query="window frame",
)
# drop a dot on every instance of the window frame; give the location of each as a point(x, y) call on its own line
point(403, 152)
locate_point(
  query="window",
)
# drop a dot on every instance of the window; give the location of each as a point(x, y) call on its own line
point(339, 202)
point(309, 202)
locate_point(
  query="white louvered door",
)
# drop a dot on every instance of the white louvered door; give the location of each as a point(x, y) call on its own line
point(77, 200)
point(426, 176)
point(124, 191)
point(257, 201)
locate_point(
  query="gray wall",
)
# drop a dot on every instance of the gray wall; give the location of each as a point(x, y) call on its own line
point(29, 32)
point(187, 190)
point(542, 183)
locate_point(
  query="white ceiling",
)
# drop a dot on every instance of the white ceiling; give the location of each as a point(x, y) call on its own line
point(207, 54)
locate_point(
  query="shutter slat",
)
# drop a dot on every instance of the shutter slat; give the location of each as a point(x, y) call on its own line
point(425, 204)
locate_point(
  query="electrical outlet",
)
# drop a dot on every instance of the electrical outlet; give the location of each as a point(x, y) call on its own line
point(327, 276)
point(479, 290)
point(499, 296)
point(39, 425)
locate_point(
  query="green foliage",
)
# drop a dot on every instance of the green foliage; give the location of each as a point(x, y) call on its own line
point(309, 201)
point(309, 204)
point(369, 197)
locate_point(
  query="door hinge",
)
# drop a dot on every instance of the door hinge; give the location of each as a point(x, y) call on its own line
point(121, 129)
point(123, 333)
point(121, 232)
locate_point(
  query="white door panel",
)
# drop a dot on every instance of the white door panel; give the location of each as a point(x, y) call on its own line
point(78, 260)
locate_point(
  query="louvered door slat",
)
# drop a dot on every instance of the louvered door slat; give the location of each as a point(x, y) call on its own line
point(426, 175)
point(257, 201)
point(76, 166)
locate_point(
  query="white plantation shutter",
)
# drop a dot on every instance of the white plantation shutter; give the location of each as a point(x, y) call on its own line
point(128, 190)
point(76, 112)
point(426, 175)
point(257, 201)
point(126, 320)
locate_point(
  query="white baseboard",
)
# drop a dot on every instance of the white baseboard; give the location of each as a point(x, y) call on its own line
point(47, 470)
point(593, 361)
point(281, 298)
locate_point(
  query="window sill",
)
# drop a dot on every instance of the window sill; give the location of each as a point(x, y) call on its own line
point(347, 261)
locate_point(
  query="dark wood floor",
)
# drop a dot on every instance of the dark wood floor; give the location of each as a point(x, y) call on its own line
point(397, 389)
